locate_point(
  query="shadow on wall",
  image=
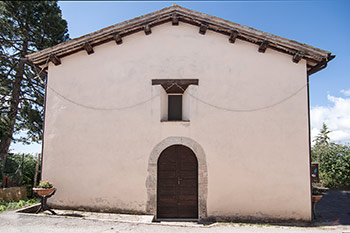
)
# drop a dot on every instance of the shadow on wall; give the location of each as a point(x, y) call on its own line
point(333, 208)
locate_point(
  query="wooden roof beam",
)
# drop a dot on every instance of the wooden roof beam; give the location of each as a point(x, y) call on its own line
point(55, 60)
point(298, 56)
point(233, 36)
point(203, 29)
point(88, 48)
point(174, 20)
point(118, 39)
point(147, 29)
point(263, 46)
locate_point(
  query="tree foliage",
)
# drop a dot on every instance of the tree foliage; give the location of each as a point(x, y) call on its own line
point(25, 27)
point(20, 169)
point(334, 159)
point(322, 138)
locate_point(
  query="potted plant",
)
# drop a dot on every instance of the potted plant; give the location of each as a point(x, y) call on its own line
point(45, 188)
point(316, 194)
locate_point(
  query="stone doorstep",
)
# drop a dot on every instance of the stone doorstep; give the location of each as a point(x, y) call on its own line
point(125, 218)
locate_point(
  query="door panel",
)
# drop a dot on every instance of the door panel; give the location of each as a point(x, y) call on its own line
point(177, 183)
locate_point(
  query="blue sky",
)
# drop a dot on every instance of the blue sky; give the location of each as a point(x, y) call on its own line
point(322, 24)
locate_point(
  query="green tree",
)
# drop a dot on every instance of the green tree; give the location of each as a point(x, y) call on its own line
point(322, 138)
point(334, 162)
point(25, 27)
point(334, 159)
point(20, 169)
point(321, 144)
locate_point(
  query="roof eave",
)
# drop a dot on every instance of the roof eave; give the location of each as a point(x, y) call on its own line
point(313, 56)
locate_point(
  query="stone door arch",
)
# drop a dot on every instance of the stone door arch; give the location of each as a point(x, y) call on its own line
point(151, 181)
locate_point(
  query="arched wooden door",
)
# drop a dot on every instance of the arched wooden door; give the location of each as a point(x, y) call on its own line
point(177, 183)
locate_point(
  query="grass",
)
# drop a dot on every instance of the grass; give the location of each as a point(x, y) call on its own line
point(12, 205)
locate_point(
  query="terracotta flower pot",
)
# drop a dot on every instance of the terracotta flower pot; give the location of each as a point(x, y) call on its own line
point(316, 198)
point(43, 192)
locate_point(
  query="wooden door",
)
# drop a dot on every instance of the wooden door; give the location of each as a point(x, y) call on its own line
point(177, 183)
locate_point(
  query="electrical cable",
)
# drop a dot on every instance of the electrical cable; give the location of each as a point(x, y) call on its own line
point(249, 110)
point(196, 98)
point(100, 108)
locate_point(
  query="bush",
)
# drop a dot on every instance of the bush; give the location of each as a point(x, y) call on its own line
point(20, 169)
point(10, 205)
point(334, 165)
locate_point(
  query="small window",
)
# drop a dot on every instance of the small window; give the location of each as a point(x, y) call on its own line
point(174, 107)
point(174, 100)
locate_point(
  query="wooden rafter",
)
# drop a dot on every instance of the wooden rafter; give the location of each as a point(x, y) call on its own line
point(298, 55)
point(55, 60)
point(233, 36)
point(118, 39)
point(88, 48)
point(174, 20)
point(263, 46)
point(147, 29)
point(203, 29)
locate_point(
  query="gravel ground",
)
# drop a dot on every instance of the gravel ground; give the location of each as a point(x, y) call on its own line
point(334, 208)
point(11, 222)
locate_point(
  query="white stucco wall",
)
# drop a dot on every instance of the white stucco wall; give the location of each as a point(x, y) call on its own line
point(257, 161)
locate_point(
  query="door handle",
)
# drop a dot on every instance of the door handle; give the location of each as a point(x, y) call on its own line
point(179, 180)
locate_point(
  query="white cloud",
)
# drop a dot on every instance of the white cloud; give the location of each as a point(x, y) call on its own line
point(346, 92)
point(336, 116)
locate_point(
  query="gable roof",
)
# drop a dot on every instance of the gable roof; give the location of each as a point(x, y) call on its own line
point(316, 58)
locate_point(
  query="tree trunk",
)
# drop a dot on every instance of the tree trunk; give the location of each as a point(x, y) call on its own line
point(37, 170)
point(20, 172)
point(14, 105)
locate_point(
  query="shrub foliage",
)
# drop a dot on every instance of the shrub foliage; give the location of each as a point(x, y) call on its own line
point(20, 169)
point(334, 159)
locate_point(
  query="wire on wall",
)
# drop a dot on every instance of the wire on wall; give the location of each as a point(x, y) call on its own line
point(149, 99)
point(248, 110)
point(100, 108)
point(194, 97)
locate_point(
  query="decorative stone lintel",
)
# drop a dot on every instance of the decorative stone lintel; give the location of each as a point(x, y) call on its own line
point(175, 85)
